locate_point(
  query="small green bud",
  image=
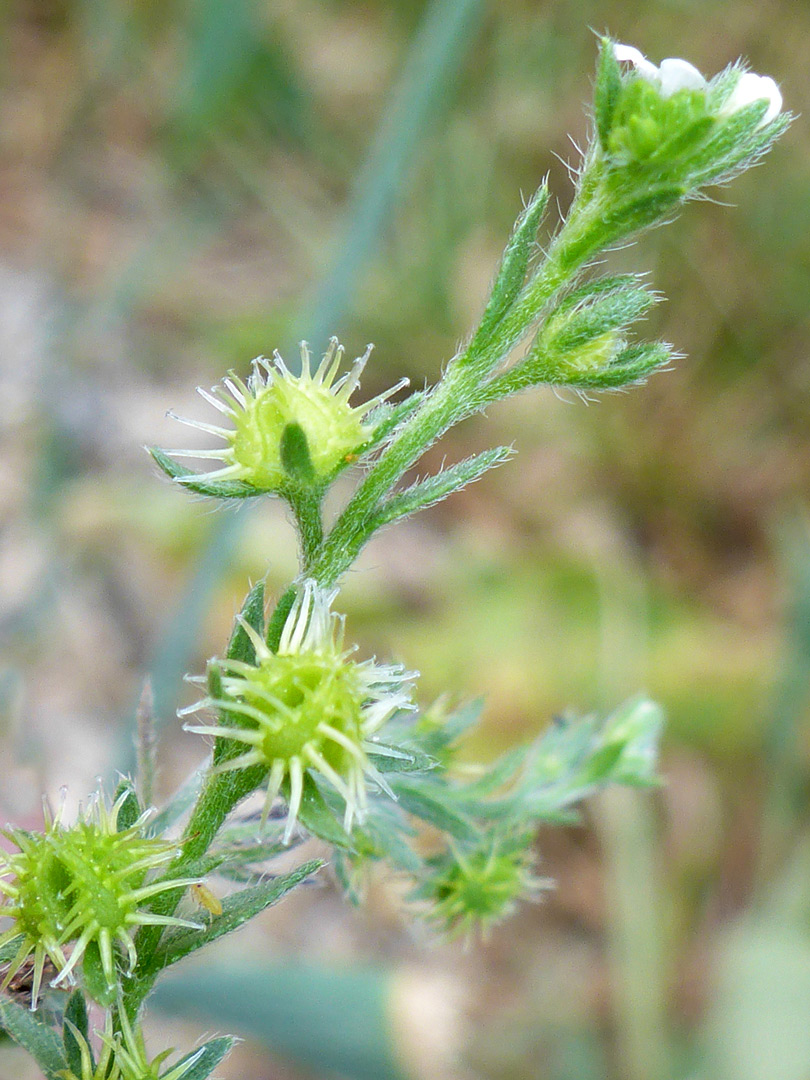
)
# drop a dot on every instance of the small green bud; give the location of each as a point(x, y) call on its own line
point(286, 427)
point(472, 890)
point(86, 885)
point(582, 343)
point(305, 707)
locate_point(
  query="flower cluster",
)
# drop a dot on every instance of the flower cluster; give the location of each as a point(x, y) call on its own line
point(84, 886)
point(308, 707)
point(674, 75)
point(275, 411)
point(676, 128)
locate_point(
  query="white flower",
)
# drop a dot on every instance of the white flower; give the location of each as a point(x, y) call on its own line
point(629, 54)
point(673, 74)
point(751, 88)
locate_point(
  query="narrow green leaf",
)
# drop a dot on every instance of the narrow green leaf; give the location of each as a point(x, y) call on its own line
point(425, 801)
point(613, 311)
point(495, 776)
point(131, 808)
point(512, 271)
point(316, 816)
point(236, 911)
point(435, 488)
point(637, 213)
point(386, 418)
point(279, 618)
point(294, 451)
point(205, 1059)
point(10, 949)
point(40, 1040)
point(440, 735)
point(94, 978)
point(607, 90)
point(217, 489)
point(75, 1014)
point(592, 290)
point(240, 646)
point(181, 801)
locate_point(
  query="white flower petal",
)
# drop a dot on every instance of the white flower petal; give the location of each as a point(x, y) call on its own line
point(750, 88)
point(676, 74)
point(629, 54)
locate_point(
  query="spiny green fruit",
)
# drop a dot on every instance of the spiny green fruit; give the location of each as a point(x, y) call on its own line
point(84, 886)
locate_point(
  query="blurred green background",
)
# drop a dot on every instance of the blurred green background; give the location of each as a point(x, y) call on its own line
point(185, 184)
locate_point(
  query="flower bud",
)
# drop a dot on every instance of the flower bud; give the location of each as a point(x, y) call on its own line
point(670, 117)
point(472, 890)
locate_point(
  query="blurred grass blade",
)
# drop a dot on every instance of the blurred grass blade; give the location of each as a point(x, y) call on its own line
point(636, 937)
point(433, 58)
point(759, 1023)
point(334, 1022)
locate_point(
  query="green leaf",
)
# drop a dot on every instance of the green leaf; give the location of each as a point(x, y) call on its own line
point(594, 289)
point(316, 816)
point(573, 759)
point(618, 308)
point(630, 215)
point(181, 802)
point(294, 451)
point(94, 978)
point(607, 90)
point(40, 1040)
point(328, 1021)
point(205, 1059)
point(279, 617)
point(10, 949)
point(237, 909)
point(512, 271)
point(240, 646)
point(131, 808)
point(386, 418)
point(217, 489)
point(636, 727)
point(426, 801)
point(436, 736)
point(435, 488)
point(75, 1014)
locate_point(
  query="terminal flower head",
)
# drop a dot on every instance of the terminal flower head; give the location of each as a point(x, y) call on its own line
point(672, 75)
point(675, 74)
point(85, 887)
point(682, 129)
point(307, 708)
point(273, 402)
